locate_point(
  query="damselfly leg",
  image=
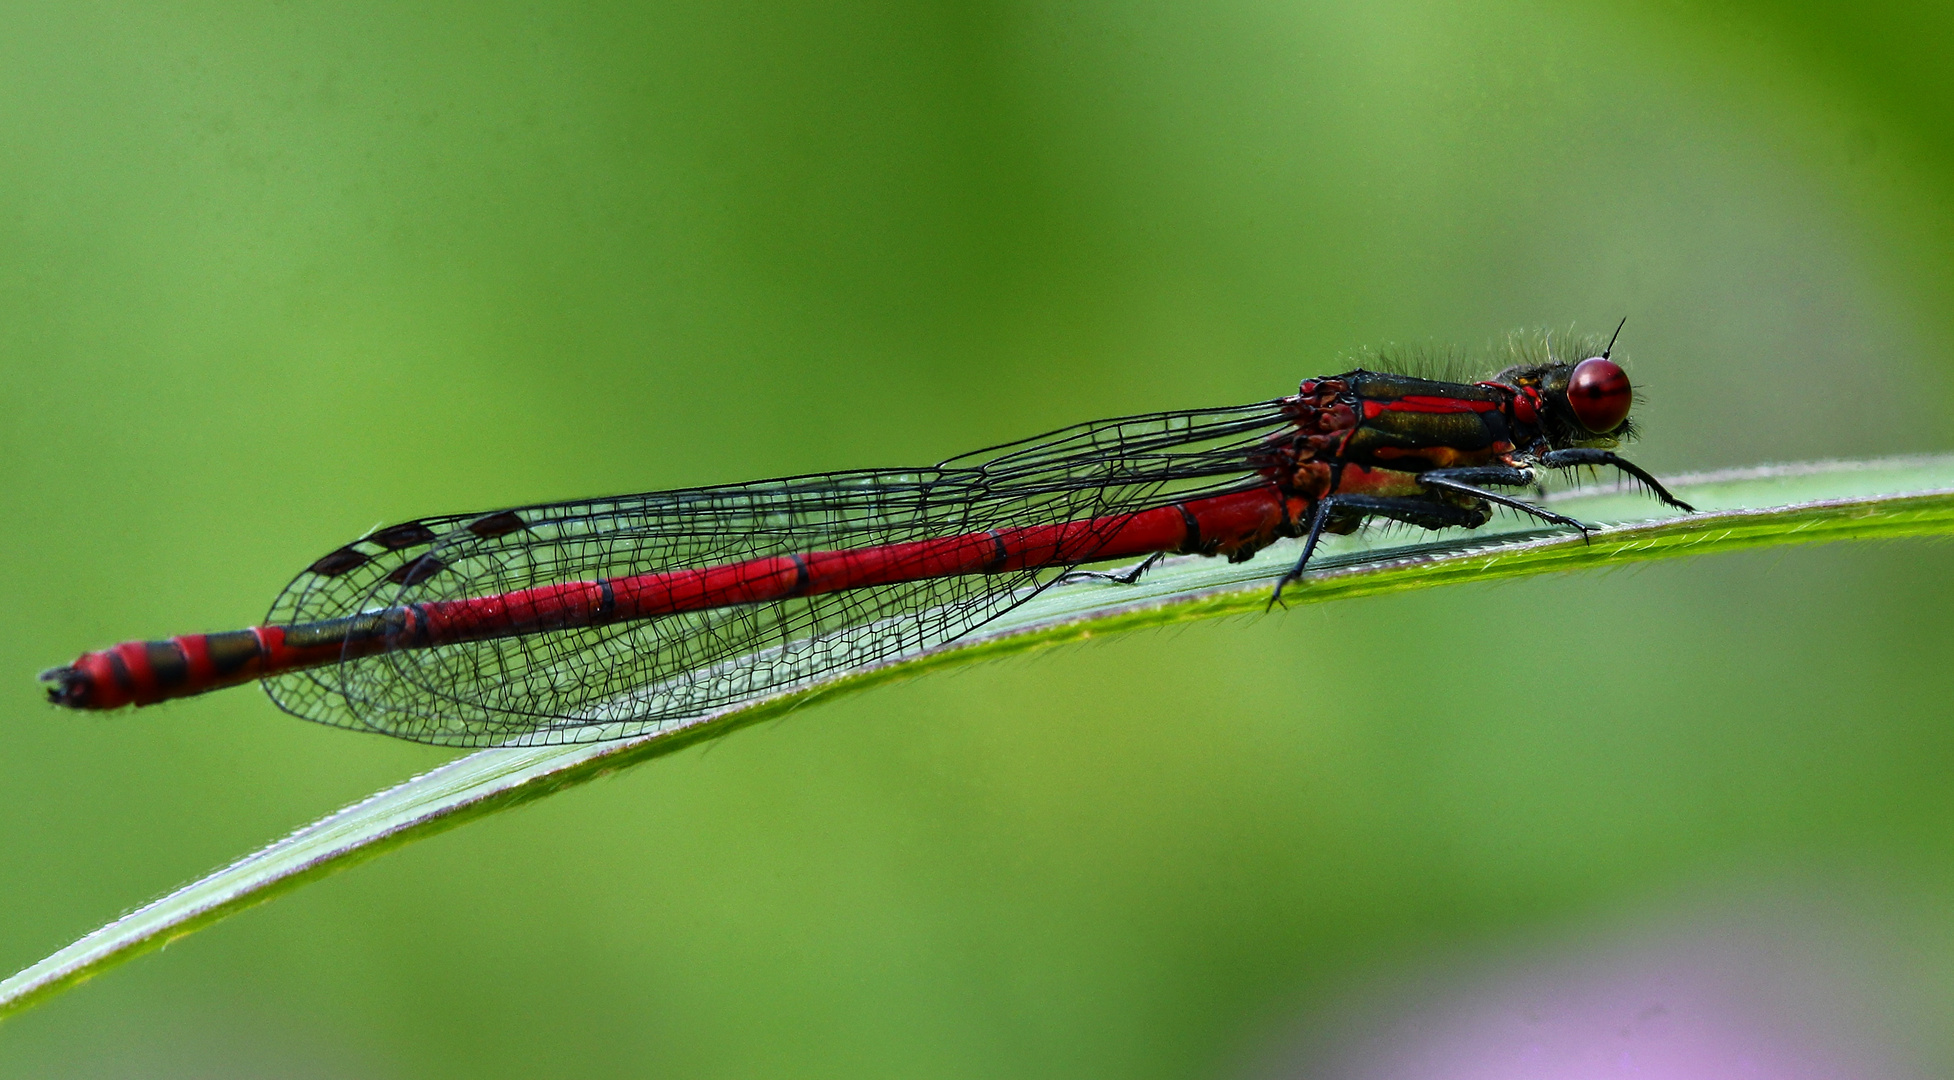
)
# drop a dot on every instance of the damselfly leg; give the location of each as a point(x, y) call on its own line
point(1129, 576)
point(1468, 482)
point(1574, 457)
point(1424, 513)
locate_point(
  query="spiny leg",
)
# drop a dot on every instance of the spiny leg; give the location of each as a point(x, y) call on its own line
point(1421, 512)
point(1494, 475)
point(1128, 576)
point(1565, 459)
point(1318, 518)
point(1466, 481)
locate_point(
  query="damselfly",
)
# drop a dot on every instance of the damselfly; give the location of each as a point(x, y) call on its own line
point(579, 621)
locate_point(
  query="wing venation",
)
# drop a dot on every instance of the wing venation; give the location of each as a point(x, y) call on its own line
point(606, 681)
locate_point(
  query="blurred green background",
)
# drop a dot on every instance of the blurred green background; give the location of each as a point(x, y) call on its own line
point(272, 274)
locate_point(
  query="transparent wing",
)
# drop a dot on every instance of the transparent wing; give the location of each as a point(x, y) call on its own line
point(601, 682)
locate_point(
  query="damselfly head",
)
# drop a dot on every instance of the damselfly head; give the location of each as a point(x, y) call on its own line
point(1587, 401)
point(1593, 410)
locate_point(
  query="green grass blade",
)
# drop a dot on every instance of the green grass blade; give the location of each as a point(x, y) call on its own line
point(1893, 498)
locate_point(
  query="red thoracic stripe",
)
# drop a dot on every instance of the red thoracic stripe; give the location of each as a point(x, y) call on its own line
point(1420, 403)
point(145, 672)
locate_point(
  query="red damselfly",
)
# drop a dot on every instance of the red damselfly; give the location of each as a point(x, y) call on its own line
point(577, 621)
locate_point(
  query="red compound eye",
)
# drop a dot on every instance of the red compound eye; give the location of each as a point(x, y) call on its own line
point(1599, 394)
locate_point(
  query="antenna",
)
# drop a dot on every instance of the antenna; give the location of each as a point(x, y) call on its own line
point(1612, 337)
